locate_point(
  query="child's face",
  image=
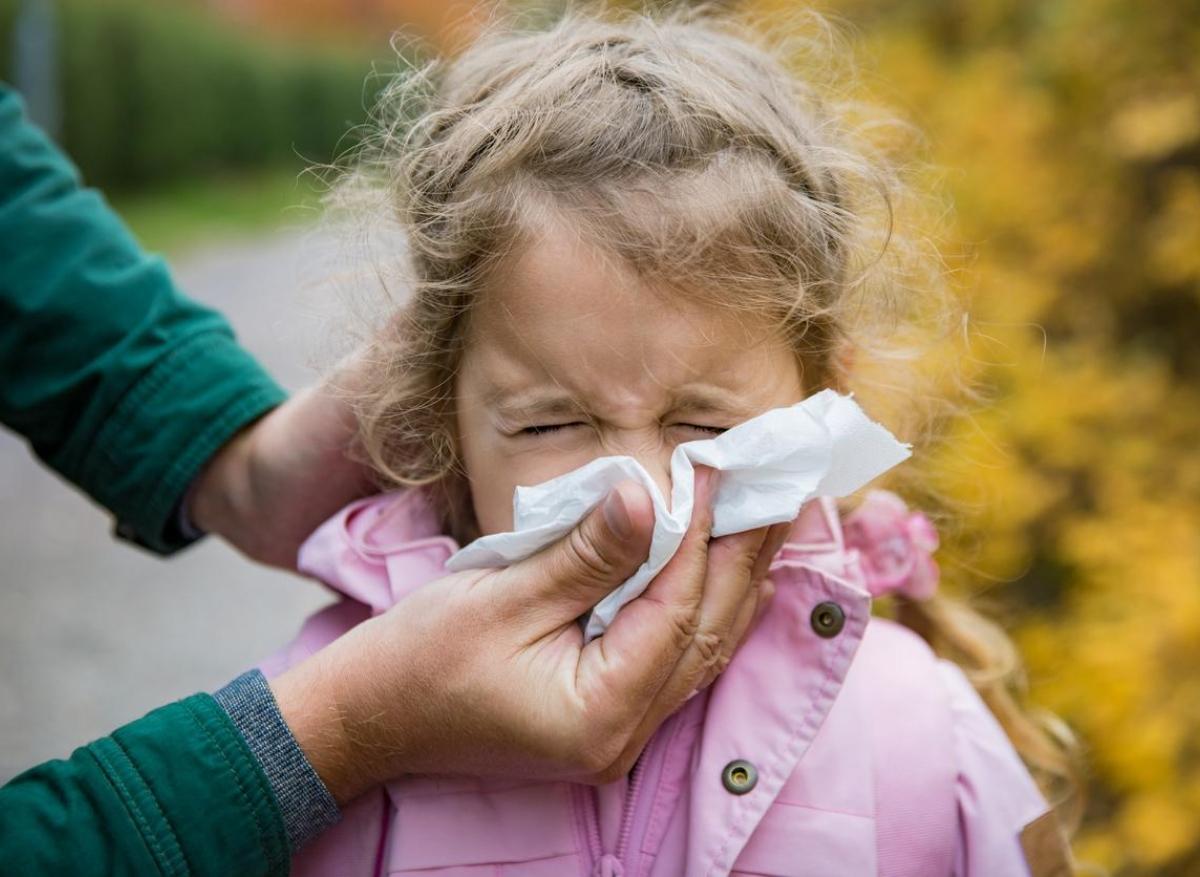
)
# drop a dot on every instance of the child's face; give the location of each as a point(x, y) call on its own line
point(569, 357)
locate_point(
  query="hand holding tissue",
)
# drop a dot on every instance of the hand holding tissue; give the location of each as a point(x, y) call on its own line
point(772, 464)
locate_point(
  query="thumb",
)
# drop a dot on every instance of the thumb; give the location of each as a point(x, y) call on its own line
point(571, 576)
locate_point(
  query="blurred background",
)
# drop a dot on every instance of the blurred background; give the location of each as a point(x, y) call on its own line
point(1068, 137)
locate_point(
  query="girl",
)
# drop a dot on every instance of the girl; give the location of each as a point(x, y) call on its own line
point(624, 235)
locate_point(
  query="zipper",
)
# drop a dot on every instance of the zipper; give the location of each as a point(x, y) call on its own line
point(631, 801)
point(588, 816)
point(604, 864)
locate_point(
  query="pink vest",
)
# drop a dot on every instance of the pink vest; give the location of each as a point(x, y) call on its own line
point(834, 743)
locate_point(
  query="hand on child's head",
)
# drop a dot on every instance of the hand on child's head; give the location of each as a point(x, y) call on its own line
point(570, 357)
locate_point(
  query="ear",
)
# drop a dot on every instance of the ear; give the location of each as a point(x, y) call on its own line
point(828, 372)
point(842, 360)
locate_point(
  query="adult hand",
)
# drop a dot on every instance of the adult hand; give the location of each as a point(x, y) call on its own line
point(485, 672)
point(273, 483)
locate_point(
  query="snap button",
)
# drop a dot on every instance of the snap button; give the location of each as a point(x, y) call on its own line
point(828, 619)
point(739, 776)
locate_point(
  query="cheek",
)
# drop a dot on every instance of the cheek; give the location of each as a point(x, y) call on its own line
point(494, 469)
point(493, 476)
point(491, 495)
point(488, 478)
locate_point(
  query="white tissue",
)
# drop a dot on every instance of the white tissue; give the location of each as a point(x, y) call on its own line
point(772, 465)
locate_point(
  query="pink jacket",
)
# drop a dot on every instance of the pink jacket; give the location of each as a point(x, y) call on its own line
point(834, 744)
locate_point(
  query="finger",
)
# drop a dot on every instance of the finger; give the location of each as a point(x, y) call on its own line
point(751, 608)
point(776, 539)
point(777, 535)
point(568, 578)
point(762, 591)
point(744, 600)
point(729, 592)
point(729, 587)
point(622, 672)
point(741, 624)
point(766, 592)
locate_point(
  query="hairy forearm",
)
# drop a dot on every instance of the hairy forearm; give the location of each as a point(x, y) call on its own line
point(312, 699)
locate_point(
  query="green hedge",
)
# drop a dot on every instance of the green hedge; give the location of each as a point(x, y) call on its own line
point(153, 91)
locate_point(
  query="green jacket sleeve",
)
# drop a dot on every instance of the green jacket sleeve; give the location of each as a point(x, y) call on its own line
point(120, 383)
point(175, 793)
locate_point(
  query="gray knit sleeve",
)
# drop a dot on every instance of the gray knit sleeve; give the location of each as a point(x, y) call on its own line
point(307, 807)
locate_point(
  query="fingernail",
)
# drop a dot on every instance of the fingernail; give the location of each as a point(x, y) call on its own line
point(617, 516)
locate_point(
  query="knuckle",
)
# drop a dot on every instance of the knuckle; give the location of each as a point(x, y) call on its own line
point(719, 666)
point(685, 626)
point(586, 557)
point(711, 676)
point(709, 646)
point(714, 670)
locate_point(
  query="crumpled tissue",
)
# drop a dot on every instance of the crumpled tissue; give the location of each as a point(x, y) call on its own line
point(772, 464)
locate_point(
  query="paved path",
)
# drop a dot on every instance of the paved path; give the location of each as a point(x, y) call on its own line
point(94, 633)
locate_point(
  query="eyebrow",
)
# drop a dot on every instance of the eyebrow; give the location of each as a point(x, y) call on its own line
point(532, 405)
point(706, 400)
point(540, 404)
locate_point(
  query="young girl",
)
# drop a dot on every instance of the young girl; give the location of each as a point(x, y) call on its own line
point(624, 235)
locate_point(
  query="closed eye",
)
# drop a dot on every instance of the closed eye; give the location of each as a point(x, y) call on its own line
point(547, 428)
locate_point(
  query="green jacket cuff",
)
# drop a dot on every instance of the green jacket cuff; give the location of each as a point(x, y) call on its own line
point(201, 393)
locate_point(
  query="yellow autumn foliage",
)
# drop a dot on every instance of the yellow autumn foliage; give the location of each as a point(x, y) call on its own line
point(1067, 137)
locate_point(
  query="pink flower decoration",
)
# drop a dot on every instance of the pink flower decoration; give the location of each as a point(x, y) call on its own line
point(895, 546)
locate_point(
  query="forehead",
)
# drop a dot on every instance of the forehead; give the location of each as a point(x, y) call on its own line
point(563, 313)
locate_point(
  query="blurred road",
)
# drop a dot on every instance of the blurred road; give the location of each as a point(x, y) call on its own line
point(94, 633)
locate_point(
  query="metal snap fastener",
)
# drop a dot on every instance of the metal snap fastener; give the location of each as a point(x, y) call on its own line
point(828, 619)
point(739, 776)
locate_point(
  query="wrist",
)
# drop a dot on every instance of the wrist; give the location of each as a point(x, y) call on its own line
point(321, 704)
point(221, 492)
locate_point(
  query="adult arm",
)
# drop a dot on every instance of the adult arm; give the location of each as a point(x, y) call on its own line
point(121, 384)
point(127, 389)
point(418, 689)
point(177, 792)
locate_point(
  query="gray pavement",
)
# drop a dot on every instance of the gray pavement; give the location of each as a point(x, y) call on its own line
point(94, 633)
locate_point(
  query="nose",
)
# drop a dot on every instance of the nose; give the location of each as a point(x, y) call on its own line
point(657, 463)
